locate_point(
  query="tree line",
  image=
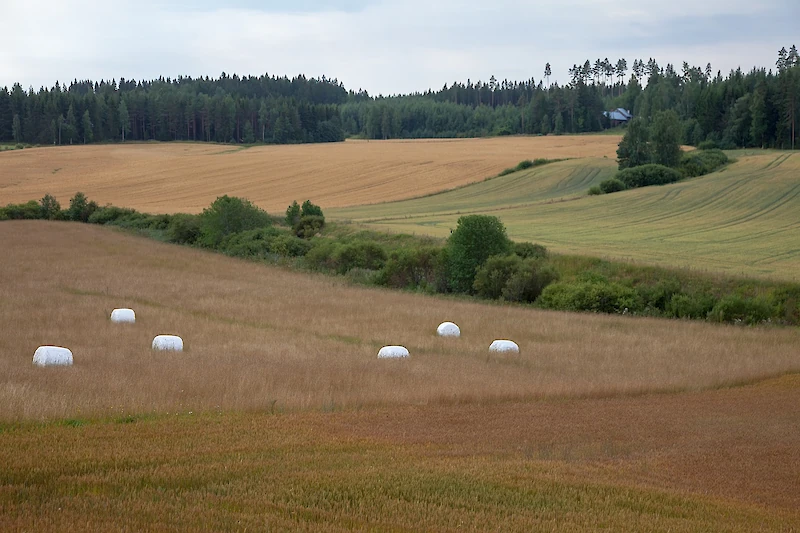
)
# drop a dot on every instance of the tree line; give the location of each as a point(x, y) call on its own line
point(759, 108)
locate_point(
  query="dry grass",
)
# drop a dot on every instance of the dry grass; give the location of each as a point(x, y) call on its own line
point(709, 461)
point(180, 177)
point(264, 338)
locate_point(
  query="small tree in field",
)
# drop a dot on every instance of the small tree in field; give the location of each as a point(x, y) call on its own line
point(227, 215)
point(665, 139)
point(475, 239)
point(634, 149)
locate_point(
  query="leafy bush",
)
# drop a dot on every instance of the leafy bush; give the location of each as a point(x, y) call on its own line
point(184, 229)
point(701, 162)
point(362, 276)
point(528, 282)
point(364, 254)
point(595, 190)
point(659, 295)
point(735, 308)
point(143, 221)
point(309, 225)
point(599, 297)
point(528, 250)
point(289, 246)
point(708, 145)
point(311, 210)
point(293, 214)
point(51, 209)
point(412, 268)
point(645, 175)
point(476, 238)
point(27, 211)
point(492, 276)
point(612, 185)
point(321, 255)
point(250, 243)
point(686, 306)
point(228, 215)
point(80, 208)
point(109, 214)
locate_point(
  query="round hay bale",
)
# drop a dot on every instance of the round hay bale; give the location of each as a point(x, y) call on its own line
point(392, 352)
point(168, 342)
point(448, 329)
point(123, 316)
point(503, 345)
point(52, 356)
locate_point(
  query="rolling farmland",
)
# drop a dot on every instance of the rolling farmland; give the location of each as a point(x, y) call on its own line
point(183, 177)
point(742, 220)
point(279, 415)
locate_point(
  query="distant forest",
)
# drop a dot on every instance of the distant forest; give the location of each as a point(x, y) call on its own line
point(760, 108)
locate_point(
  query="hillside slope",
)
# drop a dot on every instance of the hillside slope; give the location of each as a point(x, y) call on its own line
point(741, 220)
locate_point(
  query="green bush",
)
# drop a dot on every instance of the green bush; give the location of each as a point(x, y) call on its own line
point(612, 185)
point(143, 221)
point(476, 238)
point(51, 209)
point(686, 306)
point(27, 211)
point(289, 246)
point(598, 297)
point(308, 226)
point(658, 296)
point(364, 254)
point(362, 276)
point(701, 162)
point(109, 214)
point(528, 250)
point(412, 268)
point(184, 229)
point(646, 175)
point(528, 282)
point(492, 276)
point(250, 243)
point(80, 208)
point(229, 215)
point(738, 309)
point(310, 210)
point(321, 255)
point(595, 190)
point(708, 145)
point(293, 214)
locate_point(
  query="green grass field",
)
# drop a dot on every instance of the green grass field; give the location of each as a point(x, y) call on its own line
point(742, 220)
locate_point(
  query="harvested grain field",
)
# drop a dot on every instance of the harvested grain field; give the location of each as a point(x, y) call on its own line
point(184, 177)
point(257, 337)
point(279, 416)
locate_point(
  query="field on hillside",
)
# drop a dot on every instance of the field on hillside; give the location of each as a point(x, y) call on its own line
point(741, 220)
point(279, 415)
point(183, 177)
point(264, 338)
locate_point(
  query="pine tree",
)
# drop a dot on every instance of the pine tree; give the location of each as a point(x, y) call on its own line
point(88, 135)
point(124, 119)
point(758, 116)
point(16, 129)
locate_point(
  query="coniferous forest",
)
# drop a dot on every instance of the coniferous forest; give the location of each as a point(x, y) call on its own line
point(759, 108)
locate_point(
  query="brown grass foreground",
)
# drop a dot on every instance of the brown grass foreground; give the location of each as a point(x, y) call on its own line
point(723, 460)
point(264, 338)
point(183, 177)
point(426, 459)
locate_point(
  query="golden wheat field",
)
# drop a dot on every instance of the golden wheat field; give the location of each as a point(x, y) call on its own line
point(185, 177)
point(279, 416)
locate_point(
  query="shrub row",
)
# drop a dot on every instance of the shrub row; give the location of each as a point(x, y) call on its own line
point(478, 259)
point(692, 164)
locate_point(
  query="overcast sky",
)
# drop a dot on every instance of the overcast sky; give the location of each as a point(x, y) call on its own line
point(383, 46)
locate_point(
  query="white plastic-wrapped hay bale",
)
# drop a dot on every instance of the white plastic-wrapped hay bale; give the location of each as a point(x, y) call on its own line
point(168, 342)
point(448, 329)
point(503, 345)
point(123, 316)
point(52, 356)
point(392, 352)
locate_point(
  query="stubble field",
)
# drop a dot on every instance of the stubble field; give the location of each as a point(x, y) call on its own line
point(184, 177)
point(278, 414)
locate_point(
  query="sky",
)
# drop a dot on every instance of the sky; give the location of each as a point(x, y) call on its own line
point(382, 46)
